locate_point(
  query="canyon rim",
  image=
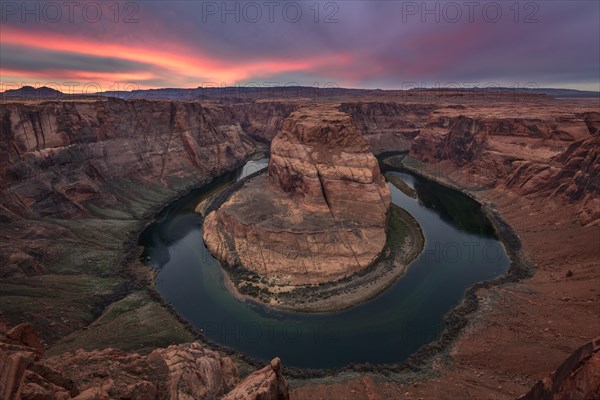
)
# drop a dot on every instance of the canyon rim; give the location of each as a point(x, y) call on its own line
point(300, 200)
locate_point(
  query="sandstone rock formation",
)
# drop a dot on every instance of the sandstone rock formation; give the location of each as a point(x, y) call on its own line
point(73, 173)
point(57, 157)
point(19, 347)
point(551, 156)
point(388, 126)
point(265, 384)
point(573, 174)
point(262, 120)
point(577, 378)
point(321, 160)
point(181, 372)
point(319, 215)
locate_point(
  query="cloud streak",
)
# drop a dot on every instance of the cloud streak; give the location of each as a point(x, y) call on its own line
point(371, 44)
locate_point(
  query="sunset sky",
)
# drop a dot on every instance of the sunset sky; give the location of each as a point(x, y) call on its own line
point(385, 44)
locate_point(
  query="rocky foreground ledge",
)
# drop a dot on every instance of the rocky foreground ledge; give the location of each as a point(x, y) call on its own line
point(186, 371)
point(319, 215)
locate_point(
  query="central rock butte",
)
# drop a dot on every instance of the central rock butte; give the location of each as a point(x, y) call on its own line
point(318, 216)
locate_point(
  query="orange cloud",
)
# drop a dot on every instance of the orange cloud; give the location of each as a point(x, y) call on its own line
point(186, 65)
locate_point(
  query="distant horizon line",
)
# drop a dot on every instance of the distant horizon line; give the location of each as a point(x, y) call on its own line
point(246, 87)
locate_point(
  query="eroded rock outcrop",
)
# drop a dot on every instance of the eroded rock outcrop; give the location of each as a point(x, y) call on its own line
point(58, 158)
point(572, 174)
point(577, 378)
point(463, 139)
point(553, 157)
point(319, 215)
point(19, 348)
point(80, 167)
point(262, 120)
point(265, 384)
point(321, 160)
point(182, 372)
point(388, 126)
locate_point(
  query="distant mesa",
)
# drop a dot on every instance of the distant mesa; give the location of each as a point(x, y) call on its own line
point(29, 92)
point(319, 215)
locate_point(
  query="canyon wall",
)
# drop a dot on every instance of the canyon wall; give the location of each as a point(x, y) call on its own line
point(553, 156)
point(59, 156)
point(388, 126)
point(78, 178)
point(262, 121)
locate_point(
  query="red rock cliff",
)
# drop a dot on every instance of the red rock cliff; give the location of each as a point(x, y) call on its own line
point(318, 216)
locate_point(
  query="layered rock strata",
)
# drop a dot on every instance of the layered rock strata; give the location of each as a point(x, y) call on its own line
point(77, 180)
point(389, 126)
point(59, 158)
point(318, 216)
point(553, 156)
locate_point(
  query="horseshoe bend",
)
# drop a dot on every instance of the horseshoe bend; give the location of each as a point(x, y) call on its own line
point(384, 241)
point(319, 215)
point(415, 215)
